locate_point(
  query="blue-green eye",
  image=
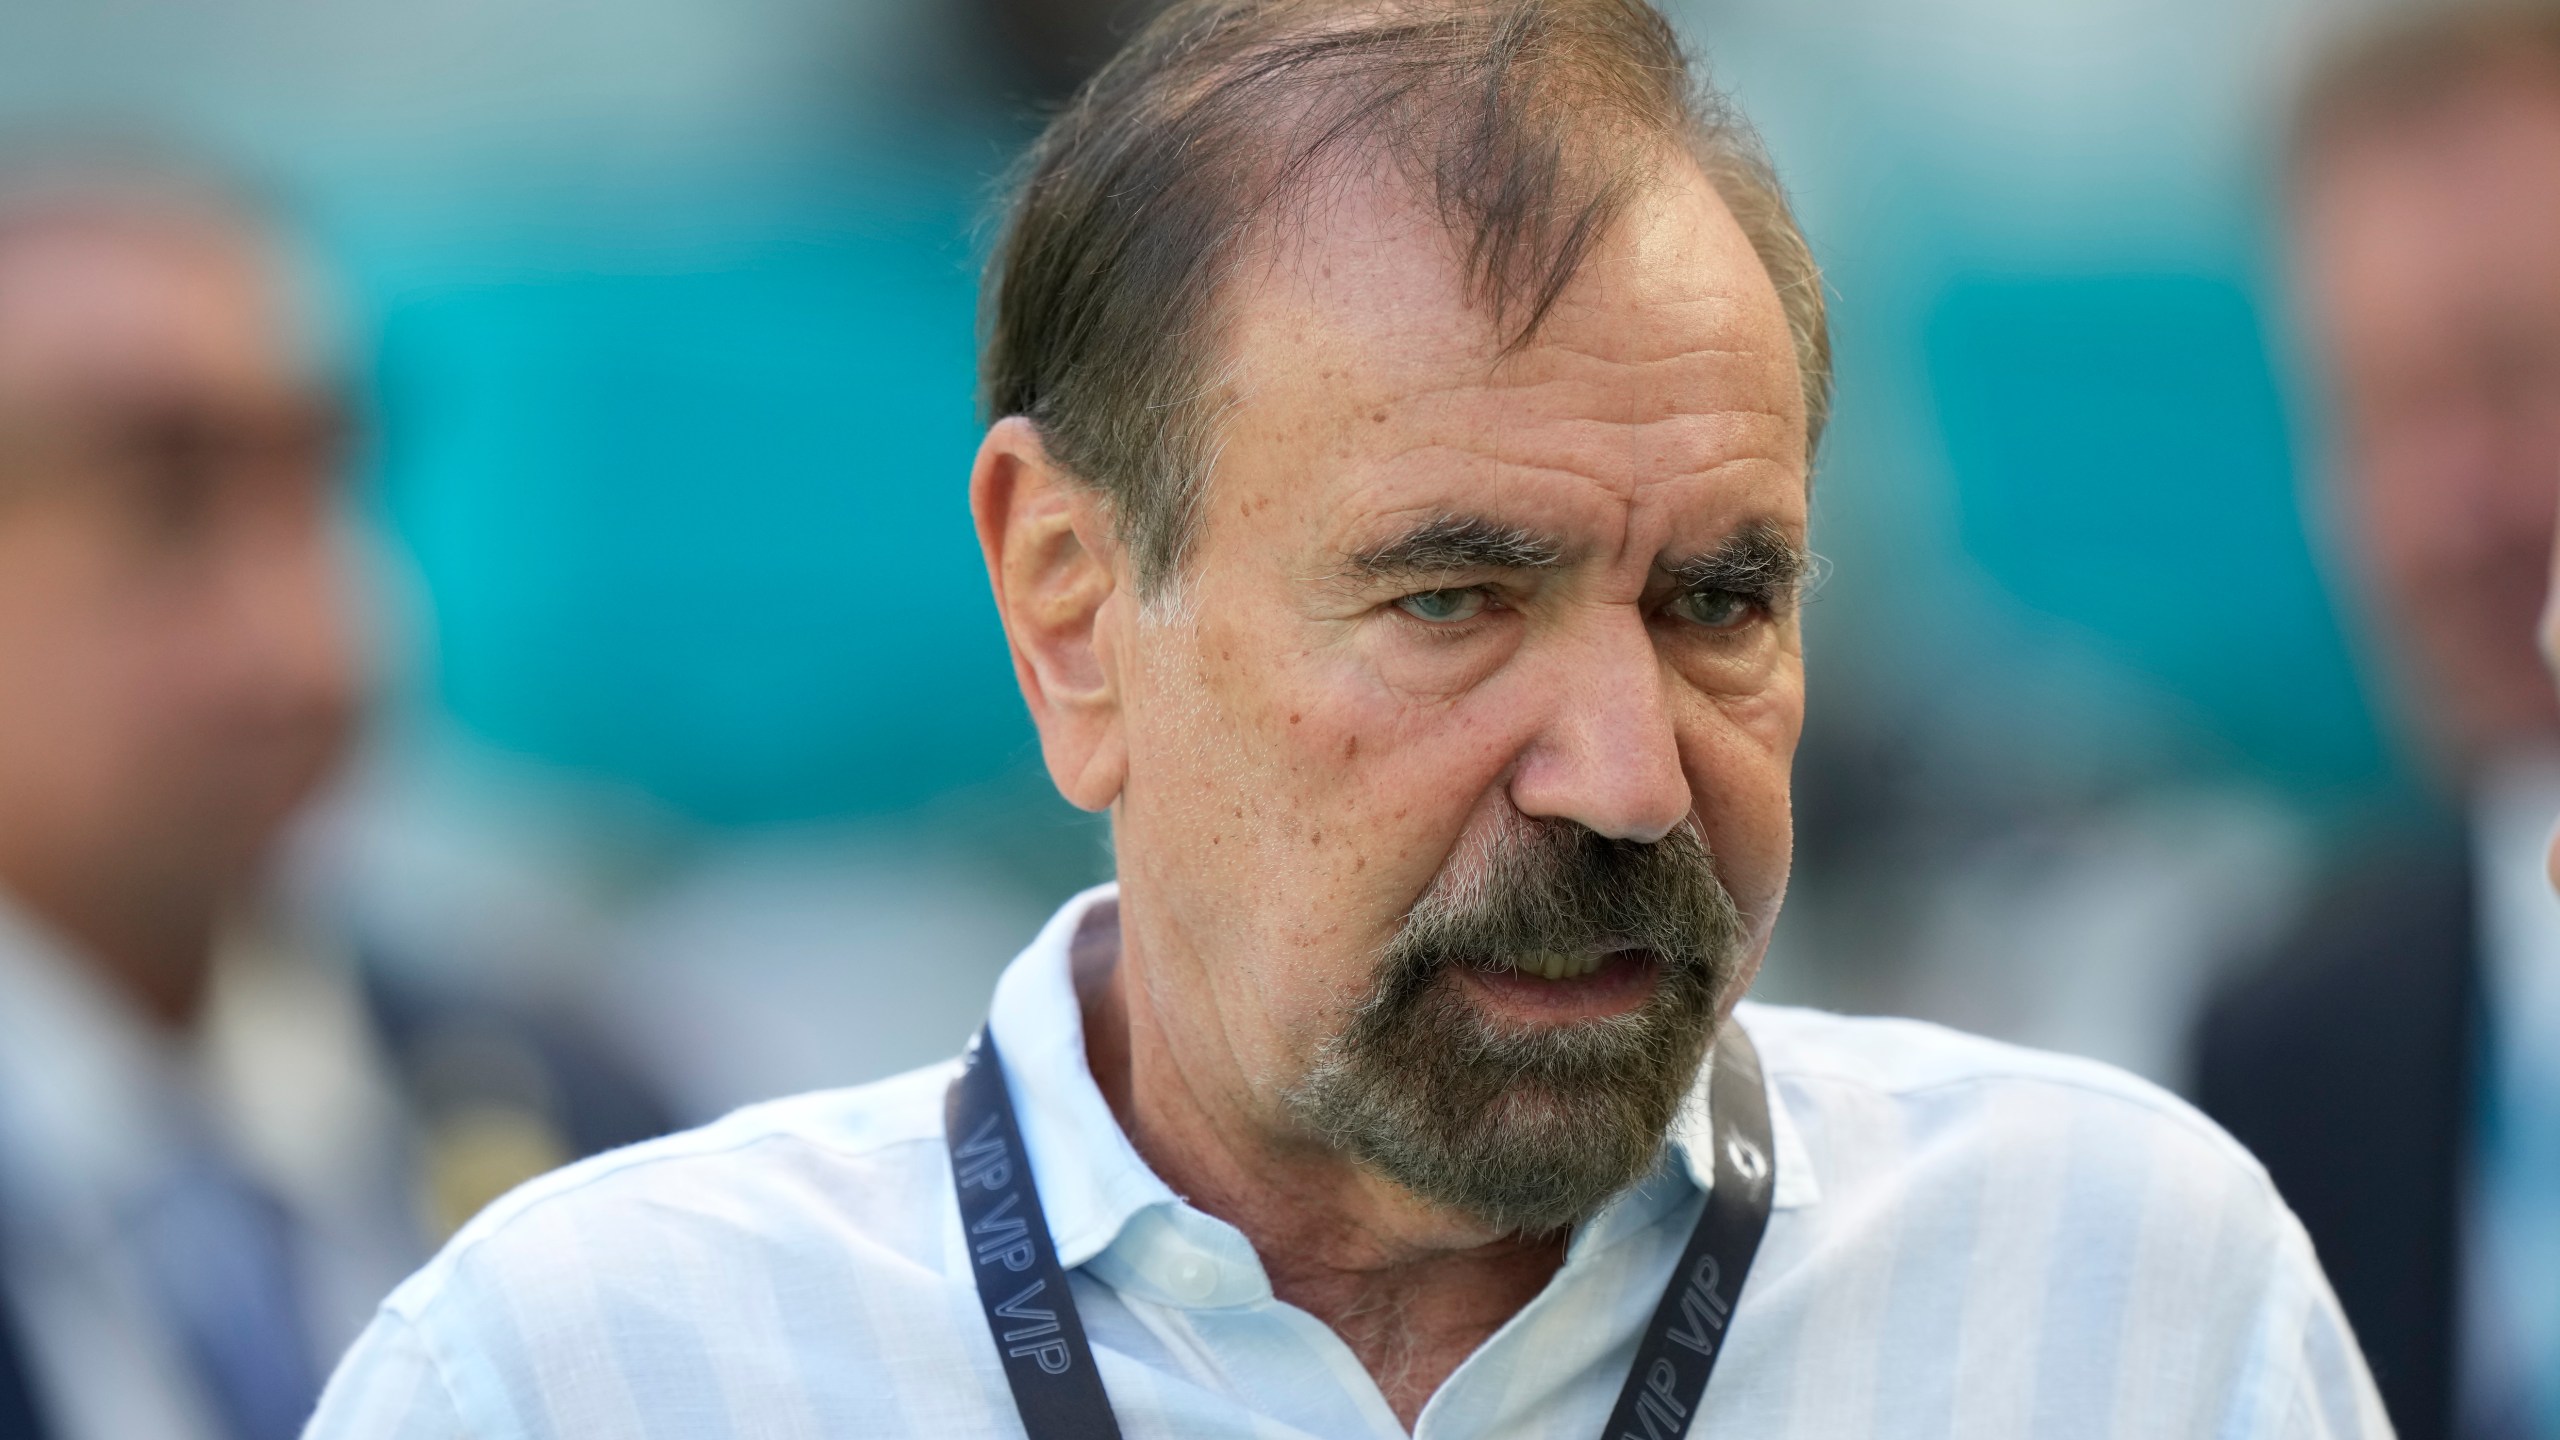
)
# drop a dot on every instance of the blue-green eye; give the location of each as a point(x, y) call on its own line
point(1715, 609)
point(1443, 607)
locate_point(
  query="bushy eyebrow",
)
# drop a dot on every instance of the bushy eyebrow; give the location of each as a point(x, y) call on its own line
point(1454, 544)
point(1759, 561)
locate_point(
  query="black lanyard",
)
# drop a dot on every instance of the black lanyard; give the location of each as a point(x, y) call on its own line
point(1041, 1338)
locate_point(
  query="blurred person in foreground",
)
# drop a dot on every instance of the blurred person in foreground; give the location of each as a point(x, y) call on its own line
point(1396, 503)
point(217, 1149)
point(2396, 1062)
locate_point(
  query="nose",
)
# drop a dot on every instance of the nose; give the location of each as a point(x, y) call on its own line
point(1607, 756)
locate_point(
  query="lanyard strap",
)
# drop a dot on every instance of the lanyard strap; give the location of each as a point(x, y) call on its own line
point(1020, 1282)
point(1040, 1337)
point(1680, 1344)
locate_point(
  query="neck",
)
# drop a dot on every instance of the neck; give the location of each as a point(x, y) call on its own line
point(160, 960)
point(1412, 1288)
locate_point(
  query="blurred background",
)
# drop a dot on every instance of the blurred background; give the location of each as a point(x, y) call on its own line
point(691, 770)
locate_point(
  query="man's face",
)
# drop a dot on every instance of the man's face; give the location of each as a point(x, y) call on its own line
point(175, 667)
point(1464, 637)
point(2425, 260)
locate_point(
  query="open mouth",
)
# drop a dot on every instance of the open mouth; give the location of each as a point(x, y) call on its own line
point(1553, 985)
point(1556, 965)
point(1565, 965)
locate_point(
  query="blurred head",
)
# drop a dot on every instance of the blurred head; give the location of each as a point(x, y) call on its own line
point(1048, 47)
point(176, 672)
point(1397, 517)
point(2425, 213)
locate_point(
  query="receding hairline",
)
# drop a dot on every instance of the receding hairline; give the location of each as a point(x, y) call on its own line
point(2376, 79)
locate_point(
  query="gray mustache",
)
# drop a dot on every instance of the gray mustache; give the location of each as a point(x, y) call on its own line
point(1545, 885)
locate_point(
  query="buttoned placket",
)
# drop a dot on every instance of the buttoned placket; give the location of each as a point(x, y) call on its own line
point(1182, 1259)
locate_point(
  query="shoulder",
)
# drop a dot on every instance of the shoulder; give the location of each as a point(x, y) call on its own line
point(1915, 1058)
point(2070, 1224)
point(848, 1172)
point(1858, 1089)
point(747, 1257)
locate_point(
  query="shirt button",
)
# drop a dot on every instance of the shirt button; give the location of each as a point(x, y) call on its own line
point(1195, 1279)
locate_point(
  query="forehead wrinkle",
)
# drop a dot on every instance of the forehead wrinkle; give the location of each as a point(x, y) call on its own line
point(1622, 456)
point(1513, 464)
point(1695, 382)
point(1563, 385)
point(1561, 402)
point(1730, 327)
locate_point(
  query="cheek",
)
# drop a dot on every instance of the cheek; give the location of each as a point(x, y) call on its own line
point(1367, 777)
point(1377, 795)
point(2423, 529)
point(1351, 791)
point(1230, 783)
point(1401, 781)
point(1740, 758)
point(84, 720)
point(2396, 521)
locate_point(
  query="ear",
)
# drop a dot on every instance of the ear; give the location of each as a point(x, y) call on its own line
point(1052, 560)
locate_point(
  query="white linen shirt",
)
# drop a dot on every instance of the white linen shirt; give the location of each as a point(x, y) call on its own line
point(1970, 1240)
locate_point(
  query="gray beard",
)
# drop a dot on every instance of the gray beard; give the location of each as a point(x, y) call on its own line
point(1531, 1130)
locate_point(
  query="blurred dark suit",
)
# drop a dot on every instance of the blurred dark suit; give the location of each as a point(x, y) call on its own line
point(2346, 1062)
point(17, 1399)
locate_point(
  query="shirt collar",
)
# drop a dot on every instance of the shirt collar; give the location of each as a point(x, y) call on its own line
point(1091, 1179)
point(2511, 826)
point(1107, 1207)
point(88, 1092)
point(1693, 1134)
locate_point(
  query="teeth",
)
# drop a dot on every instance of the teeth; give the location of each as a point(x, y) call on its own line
point(1554, 965)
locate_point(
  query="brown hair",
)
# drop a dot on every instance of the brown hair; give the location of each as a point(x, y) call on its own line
point(1527, 124)
point(2379, 77)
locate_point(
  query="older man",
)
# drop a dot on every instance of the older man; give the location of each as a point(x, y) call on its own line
point(1397, 511)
